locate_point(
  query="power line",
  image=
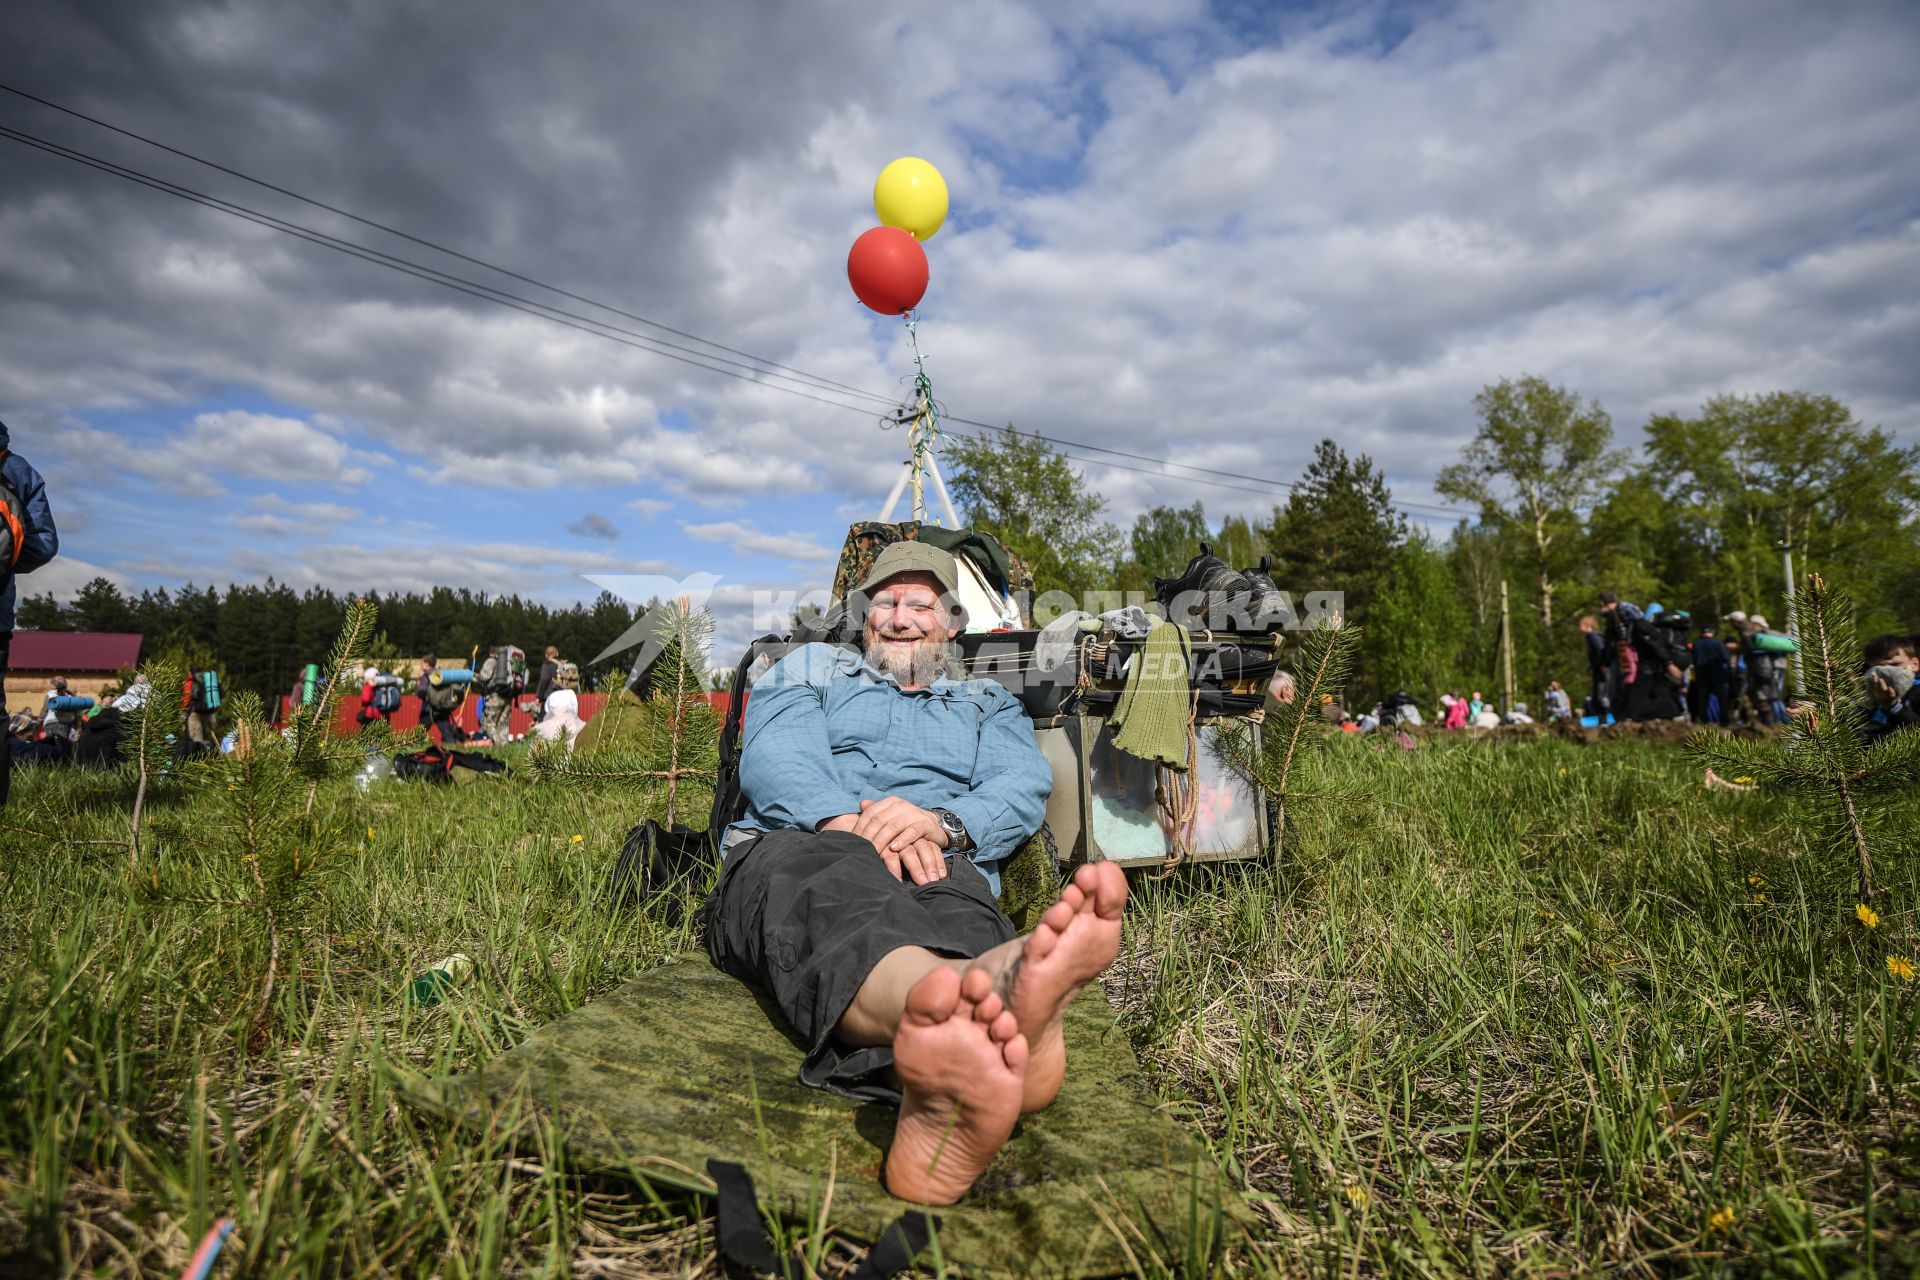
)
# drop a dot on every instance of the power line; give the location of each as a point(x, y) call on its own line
point(486, 293)
point(827, 383)
point(586, 324)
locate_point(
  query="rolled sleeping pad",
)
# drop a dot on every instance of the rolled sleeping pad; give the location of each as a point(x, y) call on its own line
point(1773, 642)
point(69, 702)
point(386, 680)
point(451, 675)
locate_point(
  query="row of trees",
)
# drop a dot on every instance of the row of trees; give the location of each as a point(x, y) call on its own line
point(260, 637)
point(1703, 520)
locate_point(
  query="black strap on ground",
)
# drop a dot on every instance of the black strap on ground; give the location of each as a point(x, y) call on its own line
point(745, 1249)
point(897, 1246)
point(742, 1236)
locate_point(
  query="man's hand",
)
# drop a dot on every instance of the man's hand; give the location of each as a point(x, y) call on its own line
point(916, 858)
point(891, 822)
point(1881, 691)
point(1673, 672)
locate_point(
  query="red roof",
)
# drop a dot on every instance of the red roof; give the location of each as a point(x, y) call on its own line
point(65, 651)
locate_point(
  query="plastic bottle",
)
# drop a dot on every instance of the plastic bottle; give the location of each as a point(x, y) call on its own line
point(377, 769)
point(436, 983)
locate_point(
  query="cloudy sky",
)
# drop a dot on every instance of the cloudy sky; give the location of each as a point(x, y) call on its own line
point(1208, 233)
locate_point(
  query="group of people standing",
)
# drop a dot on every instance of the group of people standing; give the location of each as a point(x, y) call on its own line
point(1642, 667)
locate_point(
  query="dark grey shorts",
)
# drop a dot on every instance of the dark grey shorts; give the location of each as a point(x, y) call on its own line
point(806, 916)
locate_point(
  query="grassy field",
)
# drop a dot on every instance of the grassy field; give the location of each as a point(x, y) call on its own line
point(1529, 1008)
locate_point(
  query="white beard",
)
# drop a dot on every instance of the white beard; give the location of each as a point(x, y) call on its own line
point(912, 666)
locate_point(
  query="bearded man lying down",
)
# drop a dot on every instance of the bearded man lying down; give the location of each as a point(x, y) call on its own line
point(860, 891)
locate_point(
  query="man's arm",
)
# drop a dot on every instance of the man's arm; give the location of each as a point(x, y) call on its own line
point(1011, 782)
point(43, 540)
point(786, 757)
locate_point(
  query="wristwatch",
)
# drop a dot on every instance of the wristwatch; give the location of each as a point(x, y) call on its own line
point(957, 838)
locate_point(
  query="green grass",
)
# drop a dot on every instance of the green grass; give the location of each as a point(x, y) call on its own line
point(1519, 1011)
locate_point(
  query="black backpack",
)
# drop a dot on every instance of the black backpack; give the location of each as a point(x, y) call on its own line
point(436, 764)
point(386, 694)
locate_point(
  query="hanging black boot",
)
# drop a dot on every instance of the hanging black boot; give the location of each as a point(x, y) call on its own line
point(1209, 593)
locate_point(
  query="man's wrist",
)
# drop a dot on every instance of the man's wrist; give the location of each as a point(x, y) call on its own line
point(953, 830)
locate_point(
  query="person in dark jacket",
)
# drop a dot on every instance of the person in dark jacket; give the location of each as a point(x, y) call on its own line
point(549, 672)
point(1711, 694)
point(39, 543)
point(1654, 691)
point(1601, 669)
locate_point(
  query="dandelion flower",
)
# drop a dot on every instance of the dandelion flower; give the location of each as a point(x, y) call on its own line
point(1759, 897)
point(1722, 1219)
point(576, 840)
point(1868, 916)
point(1356, 1194)
point(1743, 779)
point(369, 833)
point(1900, 968)
point(1756, 881)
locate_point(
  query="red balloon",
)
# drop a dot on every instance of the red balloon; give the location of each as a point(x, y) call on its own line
point(888, 270)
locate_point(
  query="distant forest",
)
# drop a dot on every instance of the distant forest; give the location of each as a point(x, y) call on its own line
point(260, 637)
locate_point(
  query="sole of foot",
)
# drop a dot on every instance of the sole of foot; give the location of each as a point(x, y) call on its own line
point(1077, 938)
point(960, 1058)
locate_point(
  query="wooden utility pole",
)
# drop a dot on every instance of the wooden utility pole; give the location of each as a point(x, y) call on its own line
point(1506, 654)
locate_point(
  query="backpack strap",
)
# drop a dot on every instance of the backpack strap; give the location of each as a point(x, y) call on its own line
point(745, 1249)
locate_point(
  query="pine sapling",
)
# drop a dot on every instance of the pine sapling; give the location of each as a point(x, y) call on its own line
point(1824, 757)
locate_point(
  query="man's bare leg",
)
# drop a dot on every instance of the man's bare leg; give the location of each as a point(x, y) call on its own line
point(1038, 975)
point(960, 1058)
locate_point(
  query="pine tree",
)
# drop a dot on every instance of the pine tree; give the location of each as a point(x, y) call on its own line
point(665, 744)
point(1320, 668)
point(1824, 756)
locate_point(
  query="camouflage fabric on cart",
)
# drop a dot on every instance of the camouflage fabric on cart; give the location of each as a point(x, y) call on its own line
point(684, 1064)
point(868, 538)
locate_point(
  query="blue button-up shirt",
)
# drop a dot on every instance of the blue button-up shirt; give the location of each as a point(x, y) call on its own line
point(824, 730)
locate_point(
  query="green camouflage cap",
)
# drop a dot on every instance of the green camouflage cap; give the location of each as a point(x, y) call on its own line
point(913, 557)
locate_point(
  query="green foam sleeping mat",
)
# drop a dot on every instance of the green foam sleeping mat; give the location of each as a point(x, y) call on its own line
point(685, 1064)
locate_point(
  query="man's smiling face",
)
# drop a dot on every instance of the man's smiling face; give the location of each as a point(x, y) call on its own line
point(908, 628)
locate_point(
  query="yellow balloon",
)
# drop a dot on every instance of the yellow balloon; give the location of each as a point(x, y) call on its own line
point(912, 196)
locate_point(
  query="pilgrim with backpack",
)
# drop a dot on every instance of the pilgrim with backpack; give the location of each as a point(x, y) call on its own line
point(200, 699)
point(27, 541)
point(501, 679)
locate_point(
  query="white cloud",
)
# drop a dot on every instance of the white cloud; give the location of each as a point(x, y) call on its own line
point(63, 576)
point(1167, 237)
point(745, 540)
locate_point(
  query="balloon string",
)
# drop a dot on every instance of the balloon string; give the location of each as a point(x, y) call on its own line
point(926, 418)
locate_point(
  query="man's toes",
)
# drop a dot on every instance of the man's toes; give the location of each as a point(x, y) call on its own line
point(1003, 1027)
point(976, 985)
point(1110, 889)
point(1042, 941)
point(1086, 878)
point(1058, 916)
point(988, 1007)
point(934, 997)
point(1014, 1052)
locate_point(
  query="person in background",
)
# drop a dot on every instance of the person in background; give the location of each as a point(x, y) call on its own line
point(39, 542)
point(1475, 705)
point(368, 713)
point(1893, 697)
point(431, 719)
point(560, 718)
point(1709, 695)
point(1764, 675)
point(549, 672)
point(1559, 706)
point(1600, 667)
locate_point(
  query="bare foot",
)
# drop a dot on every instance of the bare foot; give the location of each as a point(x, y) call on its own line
point(960, 1057)
point(1037, 976)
